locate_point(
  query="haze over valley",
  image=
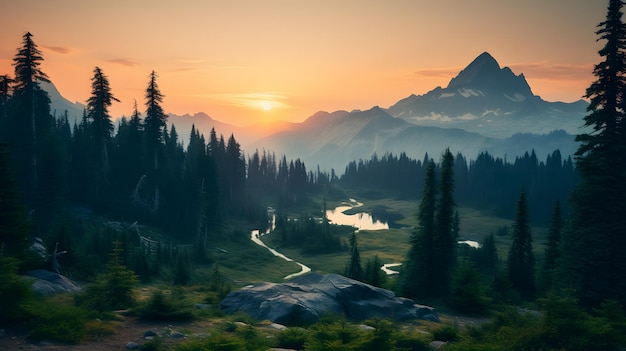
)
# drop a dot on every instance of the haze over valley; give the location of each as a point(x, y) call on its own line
point(484, 108)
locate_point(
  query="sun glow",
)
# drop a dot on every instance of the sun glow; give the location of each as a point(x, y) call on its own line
point(266, 105)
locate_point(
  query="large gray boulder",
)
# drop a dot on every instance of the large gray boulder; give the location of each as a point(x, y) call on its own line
point(46, 283)
point(304, 299)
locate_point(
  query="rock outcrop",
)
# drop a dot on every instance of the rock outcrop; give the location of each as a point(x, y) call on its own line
point(47, 283)
point(304, 299)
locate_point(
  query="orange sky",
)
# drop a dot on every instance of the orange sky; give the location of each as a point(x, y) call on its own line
point(243, 61)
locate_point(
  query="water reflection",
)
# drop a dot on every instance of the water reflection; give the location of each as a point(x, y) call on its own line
point(361, 220)
point(470, 243)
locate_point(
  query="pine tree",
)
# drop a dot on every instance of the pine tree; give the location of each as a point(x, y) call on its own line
point(593, 245)
point(445, 241)
point(354, 269)
point(552, 247)
point(113, 289)
point(373, 275)
point(101, 126)
point(154, 123)
point(5, 94)
point(31, 120)
point(487, 257)
point(521, 262)
point(417, 270)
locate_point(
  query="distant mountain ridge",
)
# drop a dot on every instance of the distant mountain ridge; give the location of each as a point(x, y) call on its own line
point(490, 100)
point(484, 108)
point(59, 104)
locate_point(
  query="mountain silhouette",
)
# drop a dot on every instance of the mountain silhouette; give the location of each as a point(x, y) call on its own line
point(485, 107)
point(490, 100)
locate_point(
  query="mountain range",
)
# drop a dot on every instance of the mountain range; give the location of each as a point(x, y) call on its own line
point(483, 108)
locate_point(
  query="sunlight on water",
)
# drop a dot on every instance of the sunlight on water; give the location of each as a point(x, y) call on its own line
point(471, 243)
point(361, 220)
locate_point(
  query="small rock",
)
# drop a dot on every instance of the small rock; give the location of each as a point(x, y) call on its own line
point(150, 333)
point(437, 345)
point(202, 306)
point(366, 327)
point(277, 326)
point(132, 345)
point(177, 335)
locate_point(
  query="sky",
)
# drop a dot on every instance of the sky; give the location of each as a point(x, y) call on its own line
point(249, 61)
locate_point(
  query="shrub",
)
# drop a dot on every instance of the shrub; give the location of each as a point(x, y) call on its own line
point(160, 307)
point(57, 322)
point(111, 290)
point(218, 342)
point(292, 338)
point(411, 342)
point(336, 336)
point(468, 292)
point(446, 333)
point(15, 292)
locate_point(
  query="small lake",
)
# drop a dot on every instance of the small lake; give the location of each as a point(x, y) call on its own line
point(360, 220)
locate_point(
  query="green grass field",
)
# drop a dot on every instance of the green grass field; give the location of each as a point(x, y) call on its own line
point(247, 263)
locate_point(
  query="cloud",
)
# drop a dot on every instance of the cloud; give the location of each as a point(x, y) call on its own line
point(252, 101)
point(550, 71)
point(447, 72)
point(123, 62)
point(58, 49)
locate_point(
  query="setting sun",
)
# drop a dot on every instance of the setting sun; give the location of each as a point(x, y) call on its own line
point(266, 105)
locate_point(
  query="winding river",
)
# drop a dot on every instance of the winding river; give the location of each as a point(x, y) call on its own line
point(359, 220)
point(255, 236)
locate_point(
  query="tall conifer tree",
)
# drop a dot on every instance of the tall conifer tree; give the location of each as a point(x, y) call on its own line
point(521, 261)
point(445, 240)
point(154, 123)
point(101, 127)
point(593, 262)
point(31, 112)
point(354, 269)
point(418, 266)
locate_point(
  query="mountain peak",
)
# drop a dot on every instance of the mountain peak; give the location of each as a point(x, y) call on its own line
point(484, 73)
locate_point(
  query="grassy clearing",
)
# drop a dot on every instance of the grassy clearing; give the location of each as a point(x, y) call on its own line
point(391, 245)
point(246, 263)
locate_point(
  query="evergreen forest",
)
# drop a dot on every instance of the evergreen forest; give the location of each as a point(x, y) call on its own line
point(150, 227)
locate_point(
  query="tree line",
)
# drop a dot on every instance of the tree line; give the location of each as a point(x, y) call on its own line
point(137, 170)
point(487, 182)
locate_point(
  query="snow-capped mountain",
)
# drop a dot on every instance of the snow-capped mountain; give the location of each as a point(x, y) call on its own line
point(490, 100)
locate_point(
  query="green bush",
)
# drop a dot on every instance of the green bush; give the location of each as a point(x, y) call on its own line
point(160, 307)
point(468, 292)
point(15, 292)
point(155, 344)
point(218, 342)
point(411, 341)
point(446, 333)
point(292, 338)
point(53, 321)
point(336, 336)
point(112, 290)
point(561, 325)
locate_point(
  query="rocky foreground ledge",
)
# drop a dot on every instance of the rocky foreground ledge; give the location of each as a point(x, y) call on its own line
point(304, 299)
